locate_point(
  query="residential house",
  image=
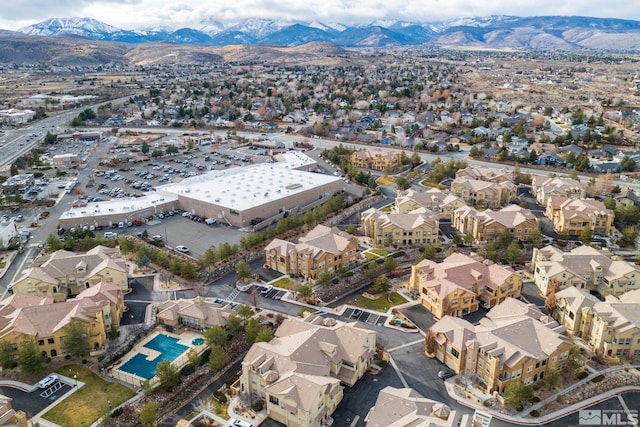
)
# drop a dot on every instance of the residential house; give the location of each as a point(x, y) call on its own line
point(415, 228)
point(544, 187)
point(457, 285)
point(63, 274)
point(198, 313)
point(298, 374)
point(482, 193)
point(99, 309)
point(398, 407)
point(627, 198)
point(322, 249)
point(376, 159)
point(584, 267)
point(520, 223)
point(514, 341)
point(441, 202)
point(574, 215)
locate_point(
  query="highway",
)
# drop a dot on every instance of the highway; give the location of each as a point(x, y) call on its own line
point(16, 142)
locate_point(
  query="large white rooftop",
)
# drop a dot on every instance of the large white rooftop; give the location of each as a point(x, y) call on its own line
point(250, 186)
point(127, 205)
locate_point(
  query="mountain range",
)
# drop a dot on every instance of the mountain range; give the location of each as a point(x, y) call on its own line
point(541, 32)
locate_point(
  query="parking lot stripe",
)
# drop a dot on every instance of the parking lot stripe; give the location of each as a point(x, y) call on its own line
point(395, 368)
point(355, 421)
point(409, 344)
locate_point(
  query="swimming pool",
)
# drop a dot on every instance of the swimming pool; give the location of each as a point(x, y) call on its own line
point(169, 349)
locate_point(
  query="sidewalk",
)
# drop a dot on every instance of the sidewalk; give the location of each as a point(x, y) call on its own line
point(523, 418)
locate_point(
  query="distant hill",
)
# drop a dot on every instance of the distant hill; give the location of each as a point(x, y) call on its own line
point(538, 32)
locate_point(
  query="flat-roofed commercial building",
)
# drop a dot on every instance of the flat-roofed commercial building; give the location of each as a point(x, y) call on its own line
point(248, 195)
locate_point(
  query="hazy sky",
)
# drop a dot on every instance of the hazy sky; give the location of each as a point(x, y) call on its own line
point(130, 14)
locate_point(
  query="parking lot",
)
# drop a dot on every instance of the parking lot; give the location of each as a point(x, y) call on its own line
point(369, 317)
point(35, 401)
point(269, 292)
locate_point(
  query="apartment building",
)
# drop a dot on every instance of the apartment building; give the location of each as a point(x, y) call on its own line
point(63, 273)
point(611, 327)
point(574, 310)
point(399, 407)
point(376, 159)
point(99, 308)
point(574, 215)
point(487, 225)
point(584, 267)
point(544, 187)
point(298, 374)
point(322, 249)
point(415, 228)
point(514, 341)
point(198, 313)
point(485, 194)
point(441, 202)
point(458, 284)
point(486, 174)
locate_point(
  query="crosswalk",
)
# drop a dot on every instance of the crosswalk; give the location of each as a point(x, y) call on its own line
point(232, 296)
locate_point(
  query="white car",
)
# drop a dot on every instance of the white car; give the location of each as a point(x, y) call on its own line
point(48, 381)
point(157, 238)
point(234, 422)
point(182, 249)
point(265, 290)
point(110, 235)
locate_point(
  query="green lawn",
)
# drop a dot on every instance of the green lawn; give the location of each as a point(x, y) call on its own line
point(90, 402)
point(283, 282)
point(387, 208)
point(381, 304)
point(379, 252)
point(384, 180)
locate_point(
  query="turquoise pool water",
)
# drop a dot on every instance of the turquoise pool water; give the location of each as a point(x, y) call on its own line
point(167, 346)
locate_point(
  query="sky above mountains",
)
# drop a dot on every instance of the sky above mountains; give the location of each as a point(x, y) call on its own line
point(174, 14)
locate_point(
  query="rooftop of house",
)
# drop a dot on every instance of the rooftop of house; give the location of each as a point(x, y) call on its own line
point(406, 221)
point(321, 239)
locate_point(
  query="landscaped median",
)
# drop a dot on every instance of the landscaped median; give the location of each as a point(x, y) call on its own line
point(90, 402)
point(382, 304)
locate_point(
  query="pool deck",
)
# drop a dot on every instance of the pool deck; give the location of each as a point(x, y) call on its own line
point(185, 338)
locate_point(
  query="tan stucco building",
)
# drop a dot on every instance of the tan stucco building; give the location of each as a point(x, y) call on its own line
point(458, 284)
point(63, 273)
point(610, 327)
point(514, 341)
point(574, 215)
point(402, 407)
point(415, 228)
point(198, 313)
point(376, 159)
point(322, 249)
point(98, 308)
point(584, 267)
point(440, 202)
point(488, 225)
point(485, 194)
point(544, 187)
point(298, 374)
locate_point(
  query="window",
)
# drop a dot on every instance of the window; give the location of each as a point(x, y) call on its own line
point(40, 342)
point(529, 368)
point(49, 340)
point(274, 400)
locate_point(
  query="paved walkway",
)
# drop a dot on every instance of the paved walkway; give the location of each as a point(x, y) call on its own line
point(522, 417)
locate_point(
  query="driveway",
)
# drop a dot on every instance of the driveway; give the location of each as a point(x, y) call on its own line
point(33, 402)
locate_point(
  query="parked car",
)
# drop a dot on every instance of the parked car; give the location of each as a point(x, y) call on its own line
point(110, 235)
point(235, 422)
point(48, 381)
point(157, 238)
point(182, 249)
point(266, 289)
point(446, 374)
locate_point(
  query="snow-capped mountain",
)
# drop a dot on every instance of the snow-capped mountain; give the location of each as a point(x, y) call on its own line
point(492, 31)
point(86, 27)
